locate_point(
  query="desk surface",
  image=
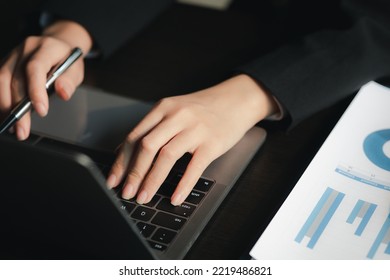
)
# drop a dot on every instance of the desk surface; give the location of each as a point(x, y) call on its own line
point(169, 59)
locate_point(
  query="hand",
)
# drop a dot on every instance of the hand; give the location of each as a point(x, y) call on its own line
point(26, 69)
point(205, 123)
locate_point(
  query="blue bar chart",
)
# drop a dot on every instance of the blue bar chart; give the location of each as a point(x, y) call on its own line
point(383, 238)
point(363, 211)
point(340, 207)
point(320, 217)
point(359, 216)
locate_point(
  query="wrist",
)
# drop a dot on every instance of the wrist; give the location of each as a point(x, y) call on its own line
point(263, 101)
point(256, 101)
point(71, 33)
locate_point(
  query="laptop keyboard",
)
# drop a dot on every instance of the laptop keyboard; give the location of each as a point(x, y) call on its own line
point(159, 221)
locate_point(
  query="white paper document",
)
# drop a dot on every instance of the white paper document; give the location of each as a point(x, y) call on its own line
point(340, 207)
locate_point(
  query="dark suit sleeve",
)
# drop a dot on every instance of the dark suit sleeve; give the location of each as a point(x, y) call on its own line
point(327, 65)
point(111, 23)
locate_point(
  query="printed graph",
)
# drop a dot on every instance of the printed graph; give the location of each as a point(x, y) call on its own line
point(382, 240)
point(359, 216)
point(339, 209)
point(373, 147)
point(376, 148)
point(320, 217)
point(362, 213)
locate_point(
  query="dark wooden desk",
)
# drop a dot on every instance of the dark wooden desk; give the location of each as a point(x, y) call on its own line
point(188, 49)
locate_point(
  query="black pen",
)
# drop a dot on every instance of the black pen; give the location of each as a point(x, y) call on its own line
point(25, 105)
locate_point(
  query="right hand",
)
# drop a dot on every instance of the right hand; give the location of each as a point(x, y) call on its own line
point(206, 124)
point(25, 70)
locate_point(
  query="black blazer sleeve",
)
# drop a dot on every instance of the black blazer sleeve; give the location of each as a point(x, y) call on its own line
point(111, 23)
point(329, 64)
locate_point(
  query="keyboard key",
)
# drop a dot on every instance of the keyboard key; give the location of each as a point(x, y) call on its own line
point(143, 213)
point(131, 200)
point(129, 207)
point(184, 210)
point(150, 204)
point(203, 185)
point(164, 235)
point(166, 189)
point(195, 197)
point(145, 229)
point(118, 190)
point(157, 246)
point(175, 177)
point(154, 201)
point(168, 221)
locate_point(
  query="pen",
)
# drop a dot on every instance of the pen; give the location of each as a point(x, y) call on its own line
point(24, 106)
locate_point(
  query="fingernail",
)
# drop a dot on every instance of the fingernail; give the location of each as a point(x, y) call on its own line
point(111, 181)
point(142, 196)
point(20, 133)
point(128, 192)
point(66, 89)
point(176, 200)
point(41, 109)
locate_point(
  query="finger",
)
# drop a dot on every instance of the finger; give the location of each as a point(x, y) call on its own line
point(120, 165)
point(147, 150)
point(67, 83)
point(153, 118)
point(126, 150)
point(18, 89)
point(23, 126)
point(6, 72)
point(18, 81)
point(37, 69)
point(163, 164)
point(195, 168)
point(123, 161)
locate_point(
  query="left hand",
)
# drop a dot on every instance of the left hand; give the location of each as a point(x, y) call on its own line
point(25, 70)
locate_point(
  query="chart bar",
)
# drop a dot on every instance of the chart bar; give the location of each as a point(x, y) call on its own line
point(320, 217)
point(382, 238)
point(363, 210)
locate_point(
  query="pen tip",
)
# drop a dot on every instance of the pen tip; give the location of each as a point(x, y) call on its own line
point(3, 127)
point(7, 123)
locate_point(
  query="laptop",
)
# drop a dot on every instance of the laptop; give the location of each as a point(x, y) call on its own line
point(54, 201)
